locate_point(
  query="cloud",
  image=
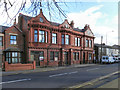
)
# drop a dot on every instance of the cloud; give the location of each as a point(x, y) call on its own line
point(89, 16)
point(110, 33)
point(115, 19)
point(92, 16)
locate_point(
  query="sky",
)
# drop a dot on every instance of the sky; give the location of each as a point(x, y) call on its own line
point(102, 16)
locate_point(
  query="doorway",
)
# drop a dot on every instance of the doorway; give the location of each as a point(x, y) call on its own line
point(66, 58)
point(83, 57)
point(35, 56)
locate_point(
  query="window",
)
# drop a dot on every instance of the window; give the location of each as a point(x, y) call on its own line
point(66, 26)
point(86, 43)
point(35, 35)
point(19, 57)
point(1, 41)
point(75, 55)
point(41, 57)
point(13, 57)
point(63, 39)
point(67, 39)
point(13, 39)
point(46, 37)
point(54, 38)
point(77, 41)
point(8, 59)
point(90, 56)
point(41, 19)
point(51, 56)
point(54, 56)
point(90, 43)
point(41, 36)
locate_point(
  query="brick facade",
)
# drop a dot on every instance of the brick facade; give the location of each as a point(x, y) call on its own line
point(36, 41)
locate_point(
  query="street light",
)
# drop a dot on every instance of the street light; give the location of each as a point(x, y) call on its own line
point(101, 50)
point(106, 36)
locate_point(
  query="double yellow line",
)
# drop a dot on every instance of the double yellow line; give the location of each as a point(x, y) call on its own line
point(93, 81)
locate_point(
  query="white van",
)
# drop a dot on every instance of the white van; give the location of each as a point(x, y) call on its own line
point(106, 59)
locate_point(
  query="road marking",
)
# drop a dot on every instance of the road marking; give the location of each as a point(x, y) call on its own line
point(92, 69)
point(57, 75)
point(15, 81)
point(63, 74)
point(73, 72)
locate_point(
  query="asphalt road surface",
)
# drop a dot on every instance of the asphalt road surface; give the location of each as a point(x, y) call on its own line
point(58, 78)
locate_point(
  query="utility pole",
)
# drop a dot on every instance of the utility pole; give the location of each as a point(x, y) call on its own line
point(101, 50)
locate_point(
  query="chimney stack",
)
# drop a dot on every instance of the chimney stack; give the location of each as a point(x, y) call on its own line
point(72, 24)
point(86, 27)
point(15, 21)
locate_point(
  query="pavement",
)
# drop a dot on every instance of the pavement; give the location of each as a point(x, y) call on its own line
point(112, 84)
point(44, 69)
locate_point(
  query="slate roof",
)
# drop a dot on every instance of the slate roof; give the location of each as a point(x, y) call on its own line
point(2, 28)
point(77, 29)
point(107, 46)
point(54, 23)
point(12, 49)
point(25, 17)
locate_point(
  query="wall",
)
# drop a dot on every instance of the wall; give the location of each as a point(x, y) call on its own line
point(13, 31)
point(19, 66)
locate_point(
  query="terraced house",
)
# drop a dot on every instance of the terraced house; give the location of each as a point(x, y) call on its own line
point(48, 43)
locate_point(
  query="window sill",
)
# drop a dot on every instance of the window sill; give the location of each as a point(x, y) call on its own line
point(54, 44)
point(13, 44)
point(40, 42)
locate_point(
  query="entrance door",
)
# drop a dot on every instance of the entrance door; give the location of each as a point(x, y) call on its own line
point(83, 57)
point(36, 58)
point(66, 58)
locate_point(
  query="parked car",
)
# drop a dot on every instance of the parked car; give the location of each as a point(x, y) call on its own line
point(107, 59)
point(116, 59)
point(119, 59)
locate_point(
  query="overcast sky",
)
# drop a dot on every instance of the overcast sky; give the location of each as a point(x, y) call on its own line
point(100, 15)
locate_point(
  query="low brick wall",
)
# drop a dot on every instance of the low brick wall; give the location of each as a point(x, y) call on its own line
point(54, 63)
point(76, 62)
point(19, 66)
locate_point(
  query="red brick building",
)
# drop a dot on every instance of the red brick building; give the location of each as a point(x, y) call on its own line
point(48, 43)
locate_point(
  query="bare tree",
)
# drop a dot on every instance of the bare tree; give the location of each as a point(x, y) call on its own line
point(33, 6)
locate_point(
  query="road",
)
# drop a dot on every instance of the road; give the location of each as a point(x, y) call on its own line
point(58, 78)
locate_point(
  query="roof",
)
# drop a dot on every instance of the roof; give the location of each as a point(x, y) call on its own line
point(12, 49)
point(25, 17)
point(116, 46)
point(107, 46)
point(79, 30)
point(103, 45)
point(54, 23)
point(2, 28)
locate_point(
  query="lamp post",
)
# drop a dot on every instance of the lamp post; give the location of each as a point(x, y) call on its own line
point(101, 50)
point(106, 36)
